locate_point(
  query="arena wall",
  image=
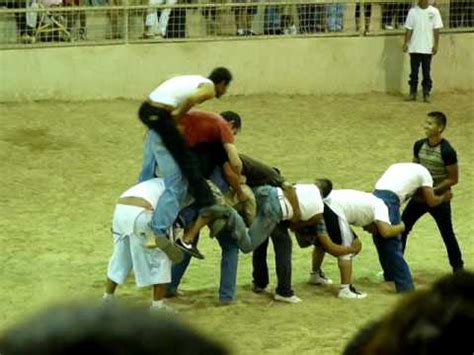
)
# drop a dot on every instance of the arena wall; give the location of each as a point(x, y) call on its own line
point(338, 65)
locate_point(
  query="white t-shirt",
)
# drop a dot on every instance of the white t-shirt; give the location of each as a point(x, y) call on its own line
point(309, 200)
point(404, 179)
point(358, 208)
point(149, 190)
point(174, 91)
point(422, 22)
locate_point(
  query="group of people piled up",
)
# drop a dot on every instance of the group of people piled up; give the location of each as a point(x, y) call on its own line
point(193, 175)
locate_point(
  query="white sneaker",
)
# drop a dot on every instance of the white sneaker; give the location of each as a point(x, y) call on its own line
point(388, 27)
point(351, 293)
point(290, 299)
point(163, 308)
point(379, 276)
point(319, 278)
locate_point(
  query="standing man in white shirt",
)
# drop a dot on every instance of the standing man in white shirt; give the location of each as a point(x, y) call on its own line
point(399, 182)
point(421, 41)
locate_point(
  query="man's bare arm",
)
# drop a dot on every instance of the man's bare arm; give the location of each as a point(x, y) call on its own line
point(204, 92)
point(433, 200)
point(234, 158)
point(387, 230)
point(451, 180)
point(338, 250)
point(408, 34)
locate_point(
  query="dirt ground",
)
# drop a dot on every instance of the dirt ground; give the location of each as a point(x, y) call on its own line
point(63, 164)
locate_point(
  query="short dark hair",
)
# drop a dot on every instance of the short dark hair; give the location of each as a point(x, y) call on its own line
point(440, 118)
point(232, 117)
point(219, 75)
point(325, 186)
point(109, 329)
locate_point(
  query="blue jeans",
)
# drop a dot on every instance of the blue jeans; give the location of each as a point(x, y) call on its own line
point(229, 262)
point(269, 214)
point(390, 249)
point(156, 156)
point(335, 17)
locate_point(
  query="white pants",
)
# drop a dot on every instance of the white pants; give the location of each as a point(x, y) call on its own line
point(159, 26)
point(151, 266)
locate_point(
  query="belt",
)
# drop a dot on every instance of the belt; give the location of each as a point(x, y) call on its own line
point(165, 107)
point(135, 201)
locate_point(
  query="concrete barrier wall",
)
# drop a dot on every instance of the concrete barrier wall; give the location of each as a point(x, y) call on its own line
point(344, 65)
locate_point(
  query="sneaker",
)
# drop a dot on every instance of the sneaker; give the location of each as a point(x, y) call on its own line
point(388, 27)
point(288, 299)
point(82, 34)
point(319, 278)
point(163, 308)
point(426, 98)
point(173, 293)
point(292, 30)
point(411, 97)
point(380, 276)
point(351, 293)
point(257, 289)
point(188, 248)
point(172, 251)
point(226, 302)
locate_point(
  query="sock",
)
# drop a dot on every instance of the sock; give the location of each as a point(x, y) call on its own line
point(157, 304)
point(344, 286)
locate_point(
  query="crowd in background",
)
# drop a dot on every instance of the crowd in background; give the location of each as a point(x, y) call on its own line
point(285, 19)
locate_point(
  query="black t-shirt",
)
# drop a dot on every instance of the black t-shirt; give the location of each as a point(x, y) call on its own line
point(258, 173)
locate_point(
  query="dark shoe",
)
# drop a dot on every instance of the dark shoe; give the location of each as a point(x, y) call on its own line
point(189, 249)
point(411, 97)
point(426, 98)
point(171, 293)
point(257, 289)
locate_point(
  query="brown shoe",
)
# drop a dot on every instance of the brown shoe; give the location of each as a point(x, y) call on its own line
point(173, 252)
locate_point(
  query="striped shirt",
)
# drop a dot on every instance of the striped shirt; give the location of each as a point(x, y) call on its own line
point(436, 158)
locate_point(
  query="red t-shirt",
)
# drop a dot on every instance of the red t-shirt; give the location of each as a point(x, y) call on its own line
point(205, 127)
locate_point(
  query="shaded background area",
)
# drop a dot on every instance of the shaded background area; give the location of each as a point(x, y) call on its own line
point(63, 165)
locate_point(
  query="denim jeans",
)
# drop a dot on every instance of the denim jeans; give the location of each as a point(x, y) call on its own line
point(229, 262)
point(390, 249)
point(269, 214)
point(228, 266)
point(282, 246)
point(157, 157)
point(442, 216)
point(335, 17)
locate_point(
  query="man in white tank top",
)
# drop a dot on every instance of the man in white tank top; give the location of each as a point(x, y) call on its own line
point(165, 149)
point(152, 267)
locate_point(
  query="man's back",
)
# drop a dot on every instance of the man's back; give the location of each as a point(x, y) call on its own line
point(174, 91)
point(358, 207)
point(404, 179)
